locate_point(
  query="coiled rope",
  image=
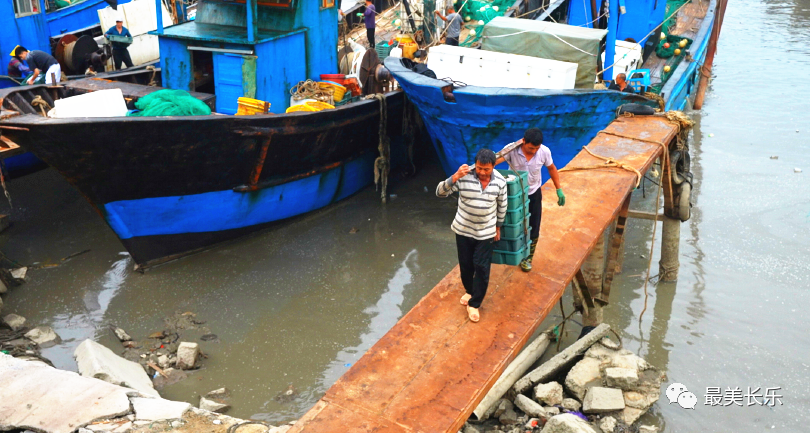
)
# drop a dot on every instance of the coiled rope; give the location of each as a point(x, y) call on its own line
point(42, 104)
point(312, 90)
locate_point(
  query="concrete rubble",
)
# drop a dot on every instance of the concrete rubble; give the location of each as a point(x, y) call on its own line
point(14, 321)
point(187, 354)
point(602, 389)
point(44, 336)
point(95, 360)
point(40, 398)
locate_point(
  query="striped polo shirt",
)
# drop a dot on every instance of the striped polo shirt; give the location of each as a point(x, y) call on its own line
point(479, 211)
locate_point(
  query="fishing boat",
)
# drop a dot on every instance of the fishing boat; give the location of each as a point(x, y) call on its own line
point(461, 117)
point(169, 186)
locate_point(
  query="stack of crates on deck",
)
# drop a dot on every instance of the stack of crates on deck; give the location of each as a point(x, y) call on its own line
point(514, 244)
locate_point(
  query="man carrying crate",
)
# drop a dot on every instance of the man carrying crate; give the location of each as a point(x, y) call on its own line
point(477, 225)
point(120, 51)
point(531, 156)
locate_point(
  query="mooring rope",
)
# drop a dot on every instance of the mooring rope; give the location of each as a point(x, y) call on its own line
point(382, 165)
point(152, 81)
point(41, 103)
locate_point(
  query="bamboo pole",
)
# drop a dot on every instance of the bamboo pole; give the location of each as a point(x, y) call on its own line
point(706, 69)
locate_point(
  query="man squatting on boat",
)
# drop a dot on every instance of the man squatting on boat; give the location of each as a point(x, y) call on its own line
point(477, 225)
point(531, 156)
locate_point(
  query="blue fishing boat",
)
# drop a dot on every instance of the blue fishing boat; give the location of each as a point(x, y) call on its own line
point(171, 185)
point(39, 25)
point(463, 118)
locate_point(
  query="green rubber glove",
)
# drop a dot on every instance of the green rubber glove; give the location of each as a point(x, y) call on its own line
point(560, 198)
point(359, 14)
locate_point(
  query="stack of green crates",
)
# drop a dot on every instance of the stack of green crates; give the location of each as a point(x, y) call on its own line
point(514, 244)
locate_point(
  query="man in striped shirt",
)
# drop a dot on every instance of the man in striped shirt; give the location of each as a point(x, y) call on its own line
point(480, 215)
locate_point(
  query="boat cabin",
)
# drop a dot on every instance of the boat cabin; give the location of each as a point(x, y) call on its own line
point(250, 48)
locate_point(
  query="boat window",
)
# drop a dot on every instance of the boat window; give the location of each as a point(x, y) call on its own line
point(327, 4)
point(23, 8)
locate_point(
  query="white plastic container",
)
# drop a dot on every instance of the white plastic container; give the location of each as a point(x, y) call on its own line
point(627, 58)
point(490, 69)
point(101, 103)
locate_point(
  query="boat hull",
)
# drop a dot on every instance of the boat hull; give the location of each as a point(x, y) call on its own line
point(168, 186)
point(491, 117)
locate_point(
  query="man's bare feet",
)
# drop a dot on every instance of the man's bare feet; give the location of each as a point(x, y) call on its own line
point(465, 298)
point(472, 313)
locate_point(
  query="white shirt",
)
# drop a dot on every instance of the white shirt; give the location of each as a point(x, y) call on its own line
point(517, 160)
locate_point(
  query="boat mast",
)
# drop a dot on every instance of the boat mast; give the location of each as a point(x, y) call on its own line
point(610, 43)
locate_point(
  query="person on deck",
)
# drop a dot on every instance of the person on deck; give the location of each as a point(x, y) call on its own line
point(531, 156)
point(17, 67)
point(370, 18)
point(42, 62)
point(477, 225)
point(453, 21)
point(120, 52)
point(620, 84)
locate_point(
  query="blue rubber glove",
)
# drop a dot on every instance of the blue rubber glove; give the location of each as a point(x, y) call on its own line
point(560, 198)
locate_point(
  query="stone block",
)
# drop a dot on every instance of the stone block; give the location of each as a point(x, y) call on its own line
point(509, 417)
point(571, 404)
point(95, 360)
point(607, 424)
point(503, 406)
point(567, 423)
point(623, 378)
point(530, 407)
point(14, 321)
point(602, 400)
point(213, 405)
point(155, 409)
point(584, 374)
point(187, 354)
point(44, 336)
point(548, 393)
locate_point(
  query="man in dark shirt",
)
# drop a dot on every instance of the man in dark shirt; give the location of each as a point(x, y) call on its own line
point(43, 63)
point(453, 21)
point(120, 52)
point(621, 85)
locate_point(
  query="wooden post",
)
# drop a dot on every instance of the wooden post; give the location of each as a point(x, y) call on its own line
point(591, 273)
point(706, 70)
point(615, 243)
point(671, 231)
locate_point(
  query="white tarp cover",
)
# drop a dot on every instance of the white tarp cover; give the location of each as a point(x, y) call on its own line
point(547, 40)
point(101, 103)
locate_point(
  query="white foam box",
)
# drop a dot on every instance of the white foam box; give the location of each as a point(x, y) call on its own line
point(490, 69)
point(627, 57)
point(101, 103)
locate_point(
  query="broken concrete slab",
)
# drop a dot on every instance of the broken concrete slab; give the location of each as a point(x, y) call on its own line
point(567, 423)
point(122, 335)
point(603, 400)
point(213, 405)
point(571, 404)
point(551, 367)
point(44, 336)
point(218, 393)
point(549, 393)
point(30, 391)
point(19, 275)
point(583, 375)
point(97, 361)
point(623, 378)
point(187, 354)
point(530, 407)
point(156, 409)
point(14, 321)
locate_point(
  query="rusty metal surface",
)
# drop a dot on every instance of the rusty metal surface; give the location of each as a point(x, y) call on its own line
point(428, 373)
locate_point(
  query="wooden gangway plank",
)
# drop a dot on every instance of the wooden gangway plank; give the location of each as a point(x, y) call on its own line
point(430, 371)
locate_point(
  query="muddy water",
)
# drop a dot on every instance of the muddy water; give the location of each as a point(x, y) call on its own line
point(298, 304)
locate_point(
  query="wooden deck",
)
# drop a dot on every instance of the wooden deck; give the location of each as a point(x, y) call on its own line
point(689, 20)
point(428, 373)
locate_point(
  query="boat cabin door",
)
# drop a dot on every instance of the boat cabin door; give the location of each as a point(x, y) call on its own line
point(234, 77)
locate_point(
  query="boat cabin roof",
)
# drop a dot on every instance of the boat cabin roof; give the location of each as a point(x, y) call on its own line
point(197, 31)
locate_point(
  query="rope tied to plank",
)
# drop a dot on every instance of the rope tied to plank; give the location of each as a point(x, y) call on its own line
point(608, 162)
point(152, 81)
point(42, 104)
point(382, 165)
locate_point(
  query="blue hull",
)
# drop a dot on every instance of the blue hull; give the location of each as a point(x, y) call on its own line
point(221, 211)
point(494, 117)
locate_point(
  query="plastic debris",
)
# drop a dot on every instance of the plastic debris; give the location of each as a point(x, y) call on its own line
point(711, 135)
point(774, 157)
point(217, 422)
point(797, 170)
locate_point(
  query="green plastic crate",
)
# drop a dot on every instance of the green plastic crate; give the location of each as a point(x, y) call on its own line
point(514, 187)
point(511, 231)
point(118, 38)
point(509, 258)
point(517, 215)
point(513, 201)
point(511, 244)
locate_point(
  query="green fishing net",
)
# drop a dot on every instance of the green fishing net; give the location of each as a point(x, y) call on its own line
point(477, 13)
point(170, 103)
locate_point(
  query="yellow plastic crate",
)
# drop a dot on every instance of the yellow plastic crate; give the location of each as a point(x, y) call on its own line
point(250, 106)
